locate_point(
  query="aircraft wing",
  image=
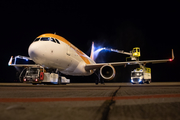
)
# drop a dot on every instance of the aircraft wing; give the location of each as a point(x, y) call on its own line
point(98, 65)
point(21, 65)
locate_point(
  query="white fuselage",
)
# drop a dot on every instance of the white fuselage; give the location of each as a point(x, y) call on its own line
point(59, 56)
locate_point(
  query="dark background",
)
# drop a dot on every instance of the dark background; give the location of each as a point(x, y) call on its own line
point(152, 26)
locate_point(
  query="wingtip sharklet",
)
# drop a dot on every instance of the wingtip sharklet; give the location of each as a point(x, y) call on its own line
point(173, 55)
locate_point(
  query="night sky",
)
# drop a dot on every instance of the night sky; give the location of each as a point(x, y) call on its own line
point(152, 26)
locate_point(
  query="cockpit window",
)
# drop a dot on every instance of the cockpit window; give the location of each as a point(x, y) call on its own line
point(57, 41)
point(37, 39)
point(52, 39)
point(45, 39)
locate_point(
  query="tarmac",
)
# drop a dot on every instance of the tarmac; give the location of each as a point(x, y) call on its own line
point(79, 101)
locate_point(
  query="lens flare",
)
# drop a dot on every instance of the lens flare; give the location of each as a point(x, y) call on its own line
point(99, 49)
point(96, 53)
point(17, 68)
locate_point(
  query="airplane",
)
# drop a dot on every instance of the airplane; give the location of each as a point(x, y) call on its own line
point(52, 51)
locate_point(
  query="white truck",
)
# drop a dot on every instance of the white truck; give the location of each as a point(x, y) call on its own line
point(141, 75)
point(37, 76)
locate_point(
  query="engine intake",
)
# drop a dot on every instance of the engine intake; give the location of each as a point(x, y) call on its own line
point(107, 72)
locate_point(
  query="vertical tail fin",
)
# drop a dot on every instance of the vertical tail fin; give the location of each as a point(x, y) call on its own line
point(10, 61)
point(92, 51)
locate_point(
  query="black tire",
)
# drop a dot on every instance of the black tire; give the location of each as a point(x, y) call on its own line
point(143, 81)
point(98, 77)
point(102, 80)
point(149, 81)
point(59, 81)
point(96, 82)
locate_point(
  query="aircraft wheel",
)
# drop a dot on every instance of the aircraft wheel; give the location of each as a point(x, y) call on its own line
point(59, 81)
point(142, 81)
point(149, 81)
point(96, 82)
point(102, 80)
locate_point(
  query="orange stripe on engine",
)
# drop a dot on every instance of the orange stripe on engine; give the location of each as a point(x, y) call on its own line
point(79, 52)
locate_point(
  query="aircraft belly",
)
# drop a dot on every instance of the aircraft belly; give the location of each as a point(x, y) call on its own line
point(78, 70)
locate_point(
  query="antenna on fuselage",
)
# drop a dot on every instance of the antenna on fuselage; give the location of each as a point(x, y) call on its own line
point(55, 33)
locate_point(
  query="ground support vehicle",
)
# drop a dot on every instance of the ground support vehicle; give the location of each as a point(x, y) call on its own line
point(38, 75)
point(141, 75)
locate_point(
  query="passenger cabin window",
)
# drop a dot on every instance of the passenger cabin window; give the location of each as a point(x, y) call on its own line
point(37, 39)
point(52, 39)
point(57, 41)
point(45, 39)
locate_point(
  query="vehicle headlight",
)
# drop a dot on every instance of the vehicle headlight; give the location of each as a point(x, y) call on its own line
point(140, 80)
point(132, 80)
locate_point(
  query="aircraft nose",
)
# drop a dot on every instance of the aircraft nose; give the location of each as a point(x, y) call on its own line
point(35, 51)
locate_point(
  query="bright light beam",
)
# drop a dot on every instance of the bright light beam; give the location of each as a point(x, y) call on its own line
point(96, 53)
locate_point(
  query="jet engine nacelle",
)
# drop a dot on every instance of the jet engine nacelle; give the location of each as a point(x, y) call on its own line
point(107, 72)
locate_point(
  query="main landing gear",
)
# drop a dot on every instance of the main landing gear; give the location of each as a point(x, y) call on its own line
point(98, 78)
